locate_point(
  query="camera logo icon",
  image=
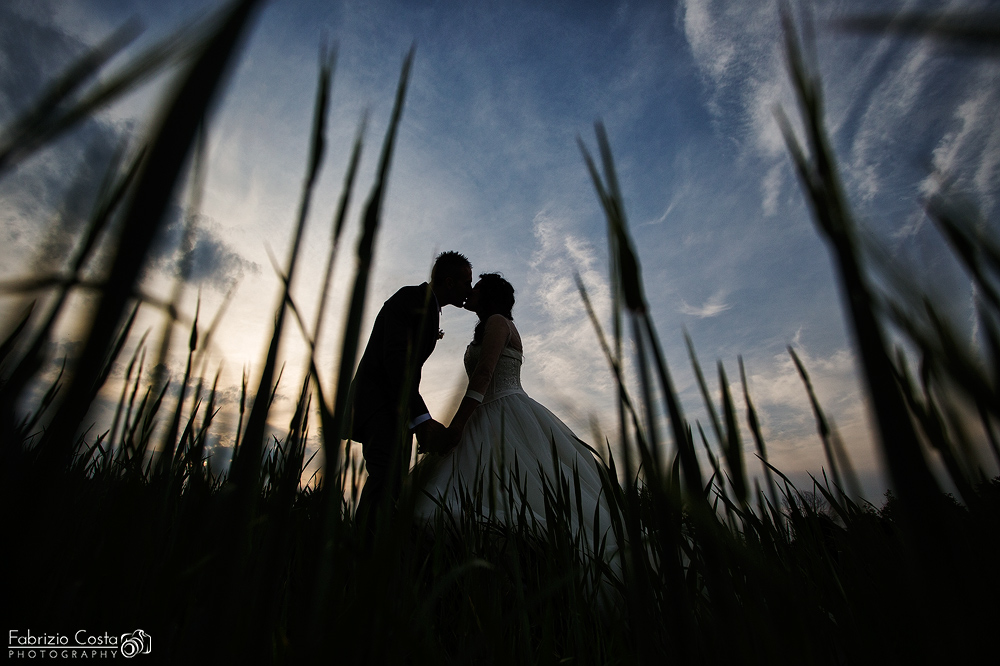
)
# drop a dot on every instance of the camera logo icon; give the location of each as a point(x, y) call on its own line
point(138, 642)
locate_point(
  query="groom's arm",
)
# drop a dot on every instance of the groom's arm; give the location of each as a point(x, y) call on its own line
point(403, 317)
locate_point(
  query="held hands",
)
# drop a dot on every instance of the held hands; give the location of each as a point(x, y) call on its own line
point(432, 437)
point(453, 433)
point(450, 438)
point(429, 436)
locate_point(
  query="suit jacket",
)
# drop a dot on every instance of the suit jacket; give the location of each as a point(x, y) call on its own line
point(404, 335)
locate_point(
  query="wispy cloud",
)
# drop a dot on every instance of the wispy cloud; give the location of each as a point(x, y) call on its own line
point(738, 49)
point(680, 194)
point(772, 190)
point(898, 93)
point(968, 155)
point(714, 305)
point(884, 96)
point(713, 48)
point(562, 355)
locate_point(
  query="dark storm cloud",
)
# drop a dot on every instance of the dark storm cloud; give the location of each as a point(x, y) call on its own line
point(208, 260)
point(49, 197)
point(52, 191)
point(31, 53)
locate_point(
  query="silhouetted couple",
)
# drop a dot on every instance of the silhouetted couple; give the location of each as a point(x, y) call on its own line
point(497, 429)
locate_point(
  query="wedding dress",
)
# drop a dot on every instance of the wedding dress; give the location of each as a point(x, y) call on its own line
point(512, 453)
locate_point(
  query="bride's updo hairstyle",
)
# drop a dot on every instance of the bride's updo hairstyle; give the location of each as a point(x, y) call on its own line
point(496, 296)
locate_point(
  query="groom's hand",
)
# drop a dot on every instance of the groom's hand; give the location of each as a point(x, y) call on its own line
point(429, 436)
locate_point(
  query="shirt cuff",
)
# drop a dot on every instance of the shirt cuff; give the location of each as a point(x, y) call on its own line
point(475, 395)
point(420, 419)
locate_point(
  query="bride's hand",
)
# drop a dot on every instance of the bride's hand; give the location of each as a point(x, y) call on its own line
point(453, 433)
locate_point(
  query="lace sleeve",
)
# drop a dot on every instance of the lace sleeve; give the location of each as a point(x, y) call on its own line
point(495, 338)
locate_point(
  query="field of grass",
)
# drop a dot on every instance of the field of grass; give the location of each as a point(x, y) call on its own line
point(130, 528)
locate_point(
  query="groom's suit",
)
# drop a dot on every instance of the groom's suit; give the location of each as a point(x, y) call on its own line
point(404, 335)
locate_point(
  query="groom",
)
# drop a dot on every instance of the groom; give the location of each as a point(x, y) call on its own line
point(388, 378)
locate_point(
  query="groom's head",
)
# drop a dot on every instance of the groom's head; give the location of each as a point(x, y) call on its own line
point(451, 278)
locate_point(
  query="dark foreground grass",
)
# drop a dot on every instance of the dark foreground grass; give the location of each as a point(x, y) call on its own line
point(129, 528)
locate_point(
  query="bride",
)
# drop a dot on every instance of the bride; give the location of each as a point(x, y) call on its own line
point(509, 451)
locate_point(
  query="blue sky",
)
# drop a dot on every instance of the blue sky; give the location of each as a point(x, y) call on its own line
point(487, 163)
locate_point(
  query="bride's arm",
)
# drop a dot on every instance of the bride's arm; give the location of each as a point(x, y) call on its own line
point(495, 338)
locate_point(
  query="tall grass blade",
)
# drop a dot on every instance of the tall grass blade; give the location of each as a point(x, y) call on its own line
point(974, 249)
point(733, 446)
point(245, 466)
point(7, 346)
point(326, 415)
point(338, 224)
point(682, 433)
point(169, 444)
point(365, 254)
point(703, 387)
point(754, 424)
point(822, 426)
point(625, 400)
point(648, 445)
point(625, 274)
point(817, 173)
point(964, 28)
